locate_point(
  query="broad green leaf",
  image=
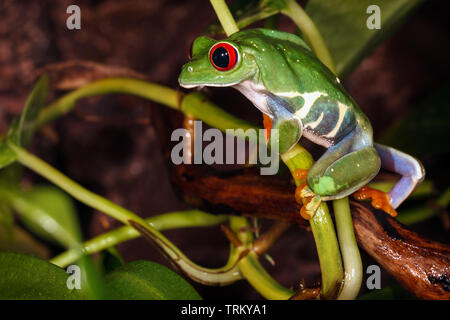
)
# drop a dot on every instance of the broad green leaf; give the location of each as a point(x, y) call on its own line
point(423, 130)
point(47, 211)
point(21, 131)
point(26, 277)
point(395, 292)
point(145, 280)
point(343, 25)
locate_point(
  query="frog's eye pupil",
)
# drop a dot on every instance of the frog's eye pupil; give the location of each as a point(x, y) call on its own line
point(223, 56)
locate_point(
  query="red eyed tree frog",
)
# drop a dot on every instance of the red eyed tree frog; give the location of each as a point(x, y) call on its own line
point(278, 72)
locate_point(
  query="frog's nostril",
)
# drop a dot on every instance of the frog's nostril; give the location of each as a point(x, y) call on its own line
point(190, 69)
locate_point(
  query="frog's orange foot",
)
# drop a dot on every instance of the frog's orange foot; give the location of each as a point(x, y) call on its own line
point(267, 122)
point(305, 196)
point(380, 199)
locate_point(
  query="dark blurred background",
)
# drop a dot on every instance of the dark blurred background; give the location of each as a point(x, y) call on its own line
point(115, 145)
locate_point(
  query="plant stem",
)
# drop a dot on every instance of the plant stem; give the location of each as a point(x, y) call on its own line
point(322, 228)
point(349, 250)
point(172, 220)
point(257, 276)
point(251, 268)
point(294, 11)
point(222, 276)
point(424, 189)
point(151, 91)
point(225, 17)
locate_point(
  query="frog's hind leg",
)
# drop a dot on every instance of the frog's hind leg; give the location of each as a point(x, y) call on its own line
point(408, 167)
point(342, 169)
point(344, 175)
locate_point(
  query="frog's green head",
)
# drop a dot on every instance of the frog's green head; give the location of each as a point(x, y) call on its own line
point(216, 64)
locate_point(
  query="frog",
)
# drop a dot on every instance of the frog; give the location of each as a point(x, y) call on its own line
point(300, 97)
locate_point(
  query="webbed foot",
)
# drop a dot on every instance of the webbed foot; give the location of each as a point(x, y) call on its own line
point(380, 199)
point(305, 196)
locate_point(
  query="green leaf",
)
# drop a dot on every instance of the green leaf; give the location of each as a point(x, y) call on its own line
point(395, 292)
point(343, 25)
point(145, 280)
point(26, 277)
point(47, 211)
point(423, 130)
point(21, 131)
point(35, 102)
point(246, 12)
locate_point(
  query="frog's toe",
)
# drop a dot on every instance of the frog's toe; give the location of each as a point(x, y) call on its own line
point(306, 192)
point(310, 207)
point(379, 200)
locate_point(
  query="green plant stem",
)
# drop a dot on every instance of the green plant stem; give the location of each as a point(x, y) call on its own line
point(220, 276)
point(171, 220)
point(424, 189)
point(257, 276)
point(322, 228)
point(251, 268)
point(296, 13)
point(349, 250)
point(225, 17)
point(147, 90)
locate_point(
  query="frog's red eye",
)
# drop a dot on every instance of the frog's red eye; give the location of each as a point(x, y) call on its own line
point(223, 56)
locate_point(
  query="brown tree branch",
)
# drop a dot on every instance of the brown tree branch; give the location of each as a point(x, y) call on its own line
point(422, 266)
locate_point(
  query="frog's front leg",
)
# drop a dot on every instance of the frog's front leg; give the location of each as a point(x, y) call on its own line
point(342, 169)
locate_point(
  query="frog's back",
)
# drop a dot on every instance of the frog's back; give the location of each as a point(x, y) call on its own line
point(315, 94)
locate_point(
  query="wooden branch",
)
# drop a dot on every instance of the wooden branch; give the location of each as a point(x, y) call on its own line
point(420, 265)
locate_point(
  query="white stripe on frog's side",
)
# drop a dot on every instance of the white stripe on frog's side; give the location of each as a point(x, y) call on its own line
point(314, 124)
point(308, 97)
point(342, 111)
